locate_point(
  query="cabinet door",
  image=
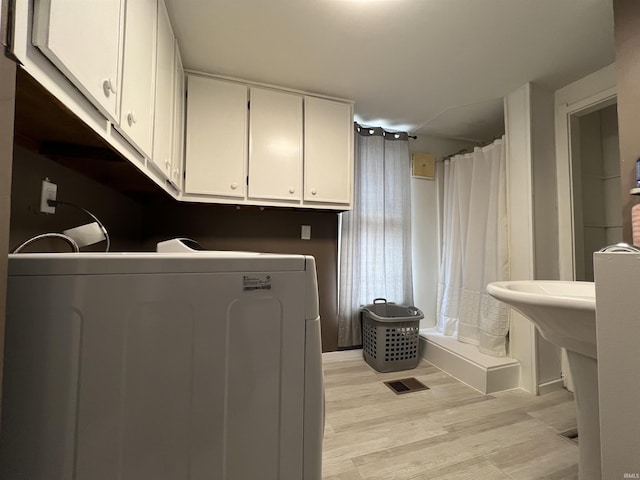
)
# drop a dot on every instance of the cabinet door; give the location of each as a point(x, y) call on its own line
point(216, 150)
point(164, 101)
point(328, 151)
point(138, 74)
point(83, 39)
point(275, 145)
point(178, 122)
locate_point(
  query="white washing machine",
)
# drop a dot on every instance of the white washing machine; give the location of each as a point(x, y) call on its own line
point(162, 367)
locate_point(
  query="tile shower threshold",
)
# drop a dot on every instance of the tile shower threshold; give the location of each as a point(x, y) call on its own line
point(482, 372)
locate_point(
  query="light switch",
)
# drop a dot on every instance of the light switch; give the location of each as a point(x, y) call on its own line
point(305, 233)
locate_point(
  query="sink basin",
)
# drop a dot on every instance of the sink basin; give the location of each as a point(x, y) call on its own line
point(564, 312)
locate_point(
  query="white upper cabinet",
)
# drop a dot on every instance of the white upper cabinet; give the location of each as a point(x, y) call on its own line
point(275, 145)
point(138, 74)
point(216, 143)
point(258, 153)
point(83, 39)
point(243, 143)
point(177, 160)
point(328, 151)
point(164, 98)
point(121, 57)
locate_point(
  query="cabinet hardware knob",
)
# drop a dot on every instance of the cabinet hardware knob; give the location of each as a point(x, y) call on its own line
point(234, 186)
point(313, 191)
point(108, 87)
point(167, 165)
point(131, 118)
point(292, 190)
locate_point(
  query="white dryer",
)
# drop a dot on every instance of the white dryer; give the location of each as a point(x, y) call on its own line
point(162, 367)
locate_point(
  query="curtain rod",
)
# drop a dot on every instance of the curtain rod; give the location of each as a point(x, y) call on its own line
point(489, 142)
point(362, 130)
point(459, 152)
point(470, 150)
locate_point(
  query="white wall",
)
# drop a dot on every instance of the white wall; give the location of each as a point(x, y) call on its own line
point(533, 238)
point(425, 208)
point(545, 198)
point(520, 199)
point(545, 219)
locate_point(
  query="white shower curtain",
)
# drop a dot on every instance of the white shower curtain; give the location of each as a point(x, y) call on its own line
point(375, 237)
point(474, 249)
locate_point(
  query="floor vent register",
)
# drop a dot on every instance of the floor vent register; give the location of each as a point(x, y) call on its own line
point(406, 385)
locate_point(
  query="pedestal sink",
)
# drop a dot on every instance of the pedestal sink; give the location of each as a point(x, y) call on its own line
point(565, 314)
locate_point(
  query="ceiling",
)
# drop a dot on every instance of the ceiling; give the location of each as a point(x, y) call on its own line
point(430, 67)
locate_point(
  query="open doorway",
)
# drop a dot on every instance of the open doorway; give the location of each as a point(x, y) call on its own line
point(595, 169)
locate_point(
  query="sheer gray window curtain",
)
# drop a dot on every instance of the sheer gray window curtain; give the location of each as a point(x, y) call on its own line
point(375, 238)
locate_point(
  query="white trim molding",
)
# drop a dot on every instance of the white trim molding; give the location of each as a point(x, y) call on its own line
point(579, 98)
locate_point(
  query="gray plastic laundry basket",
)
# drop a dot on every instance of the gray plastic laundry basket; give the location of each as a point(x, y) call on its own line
point(390, 335)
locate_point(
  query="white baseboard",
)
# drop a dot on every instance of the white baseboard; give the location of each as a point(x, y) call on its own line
point(482, 372)
point(551, 386)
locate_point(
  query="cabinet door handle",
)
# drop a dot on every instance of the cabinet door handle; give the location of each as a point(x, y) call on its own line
point(313, 191)
point(292, 190)
point(167, 165)
point(108, 87)
point(234, 186)
point(131, 118)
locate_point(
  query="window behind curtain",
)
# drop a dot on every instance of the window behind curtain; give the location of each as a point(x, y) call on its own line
point(375, 237)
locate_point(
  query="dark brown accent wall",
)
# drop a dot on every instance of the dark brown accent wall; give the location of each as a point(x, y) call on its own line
point(627, 40)
point(122, 215)
point(7, 99)
point(137, 224)
point(274, 230)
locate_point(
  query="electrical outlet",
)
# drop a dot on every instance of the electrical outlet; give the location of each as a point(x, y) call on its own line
point(49, 192)
point(305, 232)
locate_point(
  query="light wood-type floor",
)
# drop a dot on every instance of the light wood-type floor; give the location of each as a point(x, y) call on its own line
point(450, 431)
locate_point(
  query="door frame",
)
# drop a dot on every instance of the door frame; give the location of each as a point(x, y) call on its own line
point(564, 114)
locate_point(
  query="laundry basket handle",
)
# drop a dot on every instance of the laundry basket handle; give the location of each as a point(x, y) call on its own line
point(379, 300)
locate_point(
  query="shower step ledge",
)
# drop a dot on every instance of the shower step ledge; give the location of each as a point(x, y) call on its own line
point(463, 362)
